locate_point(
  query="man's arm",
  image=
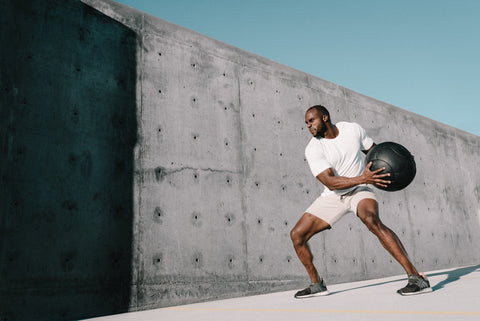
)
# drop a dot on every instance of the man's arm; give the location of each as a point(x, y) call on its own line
point(332, 182)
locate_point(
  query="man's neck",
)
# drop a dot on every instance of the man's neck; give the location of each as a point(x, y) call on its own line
point(331, 132)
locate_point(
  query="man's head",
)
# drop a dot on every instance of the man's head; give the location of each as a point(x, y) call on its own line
point(317, 117)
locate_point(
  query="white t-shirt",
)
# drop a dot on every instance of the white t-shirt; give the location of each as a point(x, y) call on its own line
point(343, 153)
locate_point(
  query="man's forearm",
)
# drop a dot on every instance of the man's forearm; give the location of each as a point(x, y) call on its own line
point(341, 182)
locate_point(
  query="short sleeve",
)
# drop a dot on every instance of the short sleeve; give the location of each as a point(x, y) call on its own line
point(317, 162)
point(365, 140)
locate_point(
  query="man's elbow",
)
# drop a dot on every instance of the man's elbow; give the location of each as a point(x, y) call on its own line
point(332, 187)
point(328, 183)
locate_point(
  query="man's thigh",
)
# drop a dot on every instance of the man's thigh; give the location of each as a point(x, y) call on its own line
point(329, 209)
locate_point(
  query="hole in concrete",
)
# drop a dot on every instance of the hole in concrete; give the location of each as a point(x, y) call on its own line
point(158, 215)
point(230, 218)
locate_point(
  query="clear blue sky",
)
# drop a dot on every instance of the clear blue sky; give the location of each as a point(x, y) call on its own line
point(423, 55)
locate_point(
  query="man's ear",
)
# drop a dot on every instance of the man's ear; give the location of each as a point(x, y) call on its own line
point(325, 118)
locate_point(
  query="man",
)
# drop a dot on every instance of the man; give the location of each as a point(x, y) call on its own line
point(334, 155)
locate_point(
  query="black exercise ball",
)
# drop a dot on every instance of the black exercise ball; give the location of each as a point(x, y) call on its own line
point(397, 160)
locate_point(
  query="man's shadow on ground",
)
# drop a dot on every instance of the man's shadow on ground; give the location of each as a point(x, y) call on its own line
point(452, 276)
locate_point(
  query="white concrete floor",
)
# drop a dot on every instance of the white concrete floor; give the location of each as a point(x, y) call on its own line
point(456, 297)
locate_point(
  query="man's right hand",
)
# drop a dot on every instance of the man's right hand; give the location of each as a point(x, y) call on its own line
point(374, 177)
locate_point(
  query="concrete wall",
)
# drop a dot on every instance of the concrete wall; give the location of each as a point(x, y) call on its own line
point(214, 179)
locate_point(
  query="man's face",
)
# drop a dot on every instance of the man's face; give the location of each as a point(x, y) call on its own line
point(315, 123)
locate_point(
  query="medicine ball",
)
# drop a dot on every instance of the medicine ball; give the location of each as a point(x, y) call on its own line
point(397, 160)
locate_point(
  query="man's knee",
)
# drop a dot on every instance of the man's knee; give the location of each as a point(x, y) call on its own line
point(306, 227)
point(299, 235)
point(296, 236)
point(373, 222)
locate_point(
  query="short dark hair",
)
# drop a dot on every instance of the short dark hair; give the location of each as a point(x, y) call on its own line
point(321, 109)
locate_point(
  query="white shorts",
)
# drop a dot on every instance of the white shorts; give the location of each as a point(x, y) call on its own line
point(331, 208)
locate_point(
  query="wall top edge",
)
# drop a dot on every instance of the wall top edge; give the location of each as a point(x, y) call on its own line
point(144, 23)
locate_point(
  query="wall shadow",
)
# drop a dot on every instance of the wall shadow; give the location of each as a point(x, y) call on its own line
point(67, 133)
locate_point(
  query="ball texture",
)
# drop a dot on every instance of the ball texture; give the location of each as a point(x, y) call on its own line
point(397, 160)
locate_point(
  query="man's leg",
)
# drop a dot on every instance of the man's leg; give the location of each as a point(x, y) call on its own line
point(367, 211)
point(306, 227)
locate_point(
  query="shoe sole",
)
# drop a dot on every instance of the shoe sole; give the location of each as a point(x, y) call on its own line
point(323, 293)
point(426, 290)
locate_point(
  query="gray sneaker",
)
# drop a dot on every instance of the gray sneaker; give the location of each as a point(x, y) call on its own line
point(416, 285)
point(315, 289)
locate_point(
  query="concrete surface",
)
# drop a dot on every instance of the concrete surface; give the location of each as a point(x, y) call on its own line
point(146, 165)
point(455, 297)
